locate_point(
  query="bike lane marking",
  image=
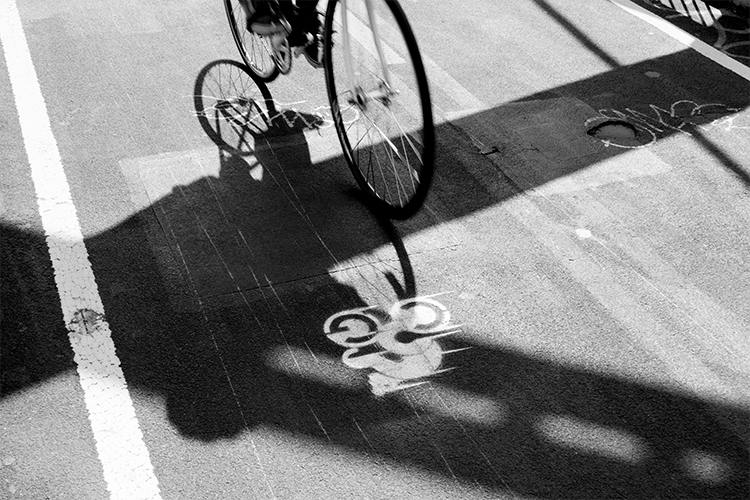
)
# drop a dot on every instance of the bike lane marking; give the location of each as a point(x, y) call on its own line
point(119, 442)
point(685, 38)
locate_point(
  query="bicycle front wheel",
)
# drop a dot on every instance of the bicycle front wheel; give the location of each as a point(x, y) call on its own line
point(256, 50)
point(382, 109)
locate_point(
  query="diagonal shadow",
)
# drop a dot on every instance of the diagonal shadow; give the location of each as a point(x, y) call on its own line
point(582, 37)
point(504, 419)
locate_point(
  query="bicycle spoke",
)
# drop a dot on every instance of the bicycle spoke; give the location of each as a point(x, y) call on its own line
point(404, 158)
point(389, 144)
point(408, 137)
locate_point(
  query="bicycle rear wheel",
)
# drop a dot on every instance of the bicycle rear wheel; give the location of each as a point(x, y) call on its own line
point(256, 50)
point(386, 132)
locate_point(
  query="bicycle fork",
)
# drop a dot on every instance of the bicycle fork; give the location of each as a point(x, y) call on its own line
point(386, 89)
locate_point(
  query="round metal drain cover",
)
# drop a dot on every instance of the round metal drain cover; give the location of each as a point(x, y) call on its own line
point(613, 130)
point(617, 133)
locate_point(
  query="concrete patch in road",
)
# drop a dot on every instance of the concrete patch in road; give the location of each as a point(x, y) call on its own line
point(544, 145)
point(228, 228)
point(553, 127)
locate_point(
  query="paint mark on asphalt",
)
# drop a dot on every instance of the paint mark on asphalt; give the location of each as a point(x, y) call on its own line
point(401, 351)
point(119, 442)
point(682, 117)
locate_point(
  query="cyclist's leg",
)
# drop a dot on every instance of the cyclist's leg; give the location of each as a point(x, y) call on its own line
point(247, 7)
point(307, 31)
point(307, 14)
point(266, 17)
point(303, 18)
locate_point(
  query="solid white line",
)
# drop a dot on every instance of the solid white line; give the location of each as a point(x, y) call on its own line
point(125, 460)
point(685, 38)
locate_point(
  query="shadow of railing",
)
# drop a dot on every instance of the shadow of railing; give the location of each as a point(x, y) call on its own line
point(724, 24)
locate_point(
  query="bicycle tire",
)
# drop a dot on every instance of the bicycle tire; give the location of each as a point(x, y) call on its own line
point(255, 50)
point(400, 190)
point(233, 107)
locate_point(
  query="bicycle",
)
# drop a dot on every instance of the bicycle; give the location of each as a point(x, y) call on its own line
point(373, 72)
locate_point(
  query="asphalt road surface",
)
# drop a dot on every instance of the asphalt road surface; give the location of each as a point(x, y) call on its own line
point(174, 286)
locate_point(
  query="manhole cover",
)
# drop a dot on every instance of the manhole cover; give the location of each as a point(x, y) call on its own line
point(613, 132)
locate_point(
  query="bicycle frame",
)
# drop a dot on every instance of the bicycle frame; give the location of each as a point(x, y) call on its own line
point(356, 92)
point(396, 170)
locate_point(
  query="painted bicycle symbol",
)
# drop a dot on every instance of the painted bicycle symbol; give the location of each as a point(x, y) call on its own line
point(400, 350)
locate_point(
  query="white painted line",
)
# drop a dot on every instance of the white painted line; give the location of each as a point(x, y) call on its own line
point(126, 465)
point(684, 38)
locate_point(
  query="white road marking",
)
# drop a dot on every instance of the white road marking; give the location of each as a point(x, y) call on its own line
point(685, 38)
point(125, 460)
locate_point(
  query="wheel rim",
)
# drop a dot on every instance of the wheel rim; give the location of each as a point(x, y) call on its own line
point(388, 139)
point(232, 107)
point(254, 49)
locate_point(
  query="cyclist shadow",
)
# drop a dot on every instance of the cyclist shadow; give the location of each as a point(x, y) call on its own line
point(260, 236)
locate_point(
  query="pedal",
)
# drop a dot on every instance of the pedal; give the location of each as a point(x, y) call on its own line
point(299, 49)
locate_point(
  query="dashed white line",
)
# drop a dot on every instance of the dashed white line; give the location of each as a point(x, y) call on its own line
point(119, 442)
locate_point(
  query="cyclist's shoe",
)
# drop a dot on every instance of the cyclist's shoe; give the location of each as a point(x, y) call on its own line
point(267, 21)
point(314, 51)
point(312, 39)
